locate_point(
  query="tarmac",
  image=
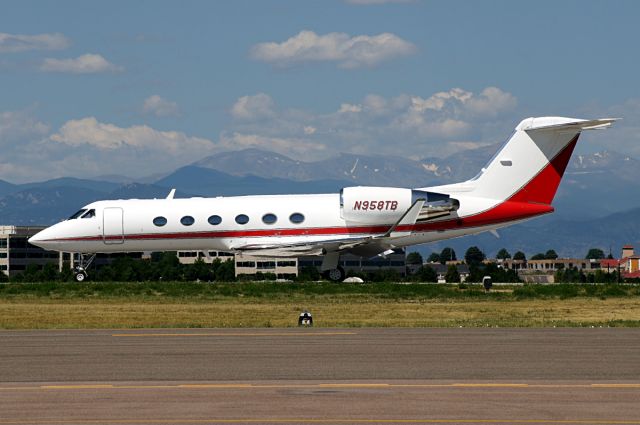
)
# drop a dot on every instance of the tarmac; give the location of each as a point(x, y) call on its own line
point(321, 376)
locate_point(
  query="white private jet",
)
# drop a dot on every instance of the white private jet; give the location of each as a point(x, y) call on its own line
point(517, 184)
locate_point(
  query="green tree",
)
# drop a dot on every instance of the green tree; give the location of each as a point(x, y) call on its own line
point(384, 275)
point(538, 256)
point(519, 256)
point(503, 254)
point(125, 269)
point(425, 274)
point(169, 267)
point(225, 271)
point(474, 256)
point(49, 273)
point(199, 270)
point(447, 254)
point(31, 273)
point(3, 277)
point(309, 274)
point(414, 258)
point(452, 275)
point(595, 254)
point(550, 255)
point(434, 258)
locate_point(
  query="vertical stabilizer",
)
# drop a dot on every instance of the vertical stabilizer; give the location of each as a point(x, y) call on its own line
point(531, 164)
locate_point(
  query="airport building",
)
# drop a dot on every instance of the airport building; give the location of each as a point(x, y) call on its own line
point(287, 268)
point(351, 263)
point(190, 257)
point(16, 253)
point(283, 268)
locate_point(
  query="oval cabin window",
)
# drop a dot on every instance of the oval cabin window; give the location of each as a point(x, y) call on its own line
point(269, 218)
point(159, 221)
point(296, 218)
point(242, 219)
point(214, 220)
point(187, 220)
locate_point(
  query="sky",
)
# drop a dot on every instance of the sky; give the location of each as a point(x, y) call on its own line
point(141, 88)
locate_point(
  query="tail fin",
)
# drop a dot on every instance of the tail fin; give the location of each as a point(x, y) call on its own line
point(530, 165)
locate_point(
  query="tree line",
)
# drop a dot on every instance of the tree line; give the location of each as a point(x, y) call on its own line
point(166, 266)
point(474, 255)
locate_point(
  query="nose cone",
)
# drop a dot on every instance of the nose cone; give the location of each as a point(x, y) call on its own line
point(41, 239)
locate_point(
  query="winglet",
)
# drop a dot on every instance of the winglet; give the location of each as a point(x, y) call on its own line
point(171, 194)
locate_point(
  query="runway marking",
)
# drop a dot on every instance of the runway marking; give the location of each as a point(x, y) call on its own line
point(347, 385)
point(328, 421)
point(491, 385)
point(126, 335)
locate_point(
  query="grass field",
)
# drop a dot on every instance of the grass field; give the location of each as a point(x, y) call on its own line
point(155, 304)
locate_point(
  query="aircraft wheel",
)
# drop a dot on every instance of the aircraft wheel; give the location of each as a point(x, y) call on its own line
point(80, 276)
point(335, 275)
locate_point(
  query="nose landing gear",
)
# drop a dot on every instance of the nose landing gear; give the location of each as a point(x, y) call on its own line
point(80, 270)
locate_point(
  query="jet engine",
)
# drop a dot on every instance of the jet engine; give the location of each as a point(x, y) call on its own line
point(386, 205)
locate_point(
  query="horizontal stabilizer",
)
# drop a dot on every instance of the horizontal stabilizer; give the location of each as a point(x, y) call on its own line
point(558, 123)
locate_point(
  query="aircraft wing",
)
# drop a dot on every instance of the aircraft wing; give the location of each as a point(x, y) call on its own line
point(362, 245)
point(310, 248)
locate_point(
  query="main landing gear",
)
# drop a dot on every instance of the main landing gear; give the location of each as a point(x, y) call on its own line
point(80, 270)
point(334, 275)
point(330, 267)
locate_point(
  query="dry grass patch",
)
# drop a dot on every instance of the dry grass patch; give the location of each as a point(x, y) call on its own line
point(51, 314)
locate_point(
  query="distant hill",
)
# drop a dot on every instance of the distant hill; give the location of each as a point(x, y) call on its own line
point(97, 185)
point(355, 169)
point(50, 201)
point(6, 187)
point(596, 204)
point(44, 205)
point(206, 182)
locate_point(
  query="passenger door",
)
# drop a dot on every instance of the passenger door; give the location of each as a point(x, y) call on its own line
point(113, 225)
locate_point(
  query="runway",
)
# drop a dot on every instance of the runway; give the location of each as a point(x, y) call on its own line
point(321, 376)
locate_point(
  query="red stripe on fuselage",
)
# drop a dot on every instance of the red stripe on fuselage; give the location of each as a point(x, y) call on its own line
point(507, 211)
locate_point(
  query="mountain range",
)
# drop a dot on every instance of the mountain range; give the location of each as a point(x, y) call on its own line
point(597, 188)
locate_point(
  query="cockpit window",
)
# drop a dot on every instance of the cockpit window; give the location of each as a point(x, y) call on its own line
point(89, 214)
point(78, 214)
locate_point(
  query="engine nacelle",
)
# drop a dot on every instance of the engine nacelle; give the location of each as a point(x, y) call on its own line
point(385, 205)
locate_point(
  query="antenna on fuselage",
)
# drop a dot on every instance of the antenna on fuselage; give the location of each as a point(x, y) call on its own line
point(171, 194)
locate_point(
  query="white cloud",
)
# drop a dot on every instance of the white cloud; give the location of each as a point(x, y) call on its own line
point(85, 64)
point(11, 43)
point(18, 127)
point(87, 147)
point(348, 52)
point(404, 125)
point(88, 131)
point(252, 107)
point(492, 101)
point(156, 105)
point(347, 107)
